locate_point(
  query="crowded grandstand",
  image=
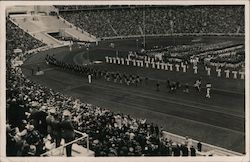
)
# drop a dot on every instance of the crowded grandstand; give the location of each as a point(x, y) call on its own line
point(40, 117)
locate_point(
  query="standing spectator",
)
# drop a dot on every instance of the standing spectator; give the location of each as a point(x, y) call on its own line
point(157, 131)
point(39, 118)
point(184, 150)
point(193, 151)
point(49, 120)
point(56, 129)
point(11, 149)
point(176, 150)
point(16, 113)
point(68, 133)
point(199, 146)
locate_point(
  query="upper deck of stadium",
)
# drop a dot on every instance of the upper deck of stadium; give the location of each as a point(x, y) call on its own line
point(110, 21)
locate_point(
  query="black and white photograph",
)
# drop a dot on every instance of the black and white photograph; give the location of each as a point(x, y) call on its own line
point(135, 79)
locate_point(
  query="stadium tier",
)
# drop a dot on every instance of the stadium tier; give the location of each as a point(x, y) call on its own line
point(42, 109)
point(112, 21)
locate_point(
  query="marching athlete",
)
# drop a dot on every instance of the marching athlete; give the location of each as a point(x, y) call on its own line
point(186, 88)
point(197, 85)
point(89, 78)
point(208, 86)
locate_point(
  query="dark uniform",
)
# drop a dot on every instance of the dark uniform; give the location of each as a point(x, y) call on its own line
point(199, 146)
point(39, 119)
point(157, 86)
point(176, 150)
point(184, 150)
point(193, 151)
point(56, 129)
point(16, 113)
point(68, 133)
point(49, 120)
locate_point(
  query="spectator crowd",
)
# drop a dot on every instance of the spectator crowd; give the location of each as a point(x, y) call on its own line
point(36, 114)
point(223, 52)
point(109, 21)
point(136, 20)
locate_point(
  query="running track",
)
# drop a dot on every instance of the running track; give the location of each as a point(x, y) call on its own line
point(187, 115)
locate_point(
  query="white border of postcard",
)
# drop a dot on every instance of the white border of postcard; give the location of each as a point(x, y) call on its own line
point(4, 4)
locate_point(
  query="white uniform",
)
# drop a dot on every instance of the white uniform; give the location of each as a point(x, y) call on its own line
point(208, 86)
point(198, 85)
point(89, 77)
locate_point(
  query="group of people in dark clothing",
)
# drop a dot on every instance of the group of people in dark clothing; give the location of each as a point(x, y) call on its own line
point(30, 125)
point(116, 77)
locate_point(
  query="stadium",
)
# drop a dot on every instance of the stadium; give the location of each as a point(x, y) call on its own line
point(125, 80)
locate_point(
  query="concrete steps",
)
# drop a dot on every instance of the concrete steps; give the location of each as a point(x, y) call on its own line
point(77, 150)
point(39, 26)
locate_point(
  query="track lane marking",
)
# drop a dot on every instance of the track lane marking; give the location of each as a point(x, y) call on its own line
point(172, 98)
point(165, 99)
point(140, 107)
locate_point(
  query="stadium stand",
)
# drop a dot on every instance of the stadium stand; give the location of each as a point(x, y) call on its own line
point(110, 133)
point(44, 22)
point(109, 21)
point(16, 43)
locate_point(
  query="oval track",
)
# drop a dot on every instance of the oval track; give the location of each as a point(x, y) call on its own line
point(180, 115)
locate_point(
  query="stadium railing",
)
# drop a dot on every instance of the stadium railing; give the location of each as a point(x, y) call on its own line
point(207, 149)
point(60, 151)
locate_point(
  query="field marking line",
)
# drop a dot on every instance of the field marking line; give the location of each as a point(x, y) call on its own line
point(49, 69)
point(33, 63)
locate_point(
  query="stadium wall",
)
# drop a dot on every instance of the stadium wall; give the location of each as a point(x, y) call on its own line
point(173, 34)
point(207, 149)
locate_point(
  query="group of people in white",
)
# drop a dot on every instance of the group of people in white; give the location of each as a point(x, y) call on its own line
point(178, 67)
